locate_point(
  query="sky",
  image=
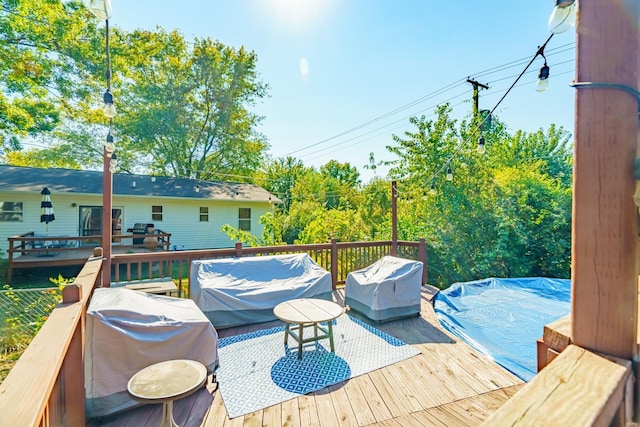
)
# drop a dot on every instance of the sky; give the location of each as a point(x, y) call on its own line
point(346, 75)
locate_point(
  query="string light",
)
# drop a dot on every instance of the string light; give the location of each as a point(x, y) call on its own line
point(563, 16)
point(481, 145)
point(113, 164)
point(449, 174)
point(543, 76)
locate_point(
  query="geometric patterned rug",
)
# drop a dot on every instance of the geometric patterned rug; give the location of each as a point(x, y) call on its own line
point(257, 370)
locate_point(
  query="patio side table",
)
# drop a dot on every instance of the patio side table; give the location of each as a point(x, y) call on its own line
point(165, 382)
point(307, 312)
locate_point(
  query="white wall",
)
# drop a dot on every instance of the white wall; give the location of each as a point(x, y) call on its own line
point(180, 217)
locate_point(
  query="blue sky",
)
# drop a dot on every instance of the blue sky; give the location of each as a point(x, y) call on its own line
point(336, 65)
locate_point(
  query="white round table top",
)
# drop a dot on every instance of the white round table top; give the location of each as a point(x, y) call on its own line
point(307, 310)
point(167, 380)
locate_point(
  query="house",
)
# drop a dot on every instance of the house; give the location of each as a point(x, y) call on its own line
point(193, 211)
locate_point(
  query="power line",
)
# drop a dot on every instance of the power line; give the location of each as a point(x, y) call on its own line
point(433, 94)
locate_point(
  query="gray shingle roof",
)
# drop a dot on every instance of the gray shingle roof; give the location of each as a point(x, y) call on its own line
point(17, 178)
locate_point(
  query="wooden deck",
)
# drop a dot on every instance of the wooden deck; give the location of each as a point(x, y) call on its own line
point(448, 384)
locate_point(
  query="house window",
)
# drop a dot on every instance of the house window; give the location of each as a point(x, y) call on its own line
point(244, 219)
point(11, 211)
point(156, 213)
point(204, 214)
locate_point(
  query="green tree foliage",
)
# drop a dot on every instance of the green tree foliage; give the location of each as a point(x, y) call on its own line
point(47, 52)
point(185, 106)
point(505, 213)
point(280, 176)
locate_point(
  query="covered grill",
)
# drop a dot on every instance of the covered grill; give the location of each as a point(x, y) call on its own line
point(139, 228)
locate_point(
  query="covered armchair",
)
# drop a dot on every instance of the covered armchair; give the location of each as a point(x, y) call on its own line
point(387, 289)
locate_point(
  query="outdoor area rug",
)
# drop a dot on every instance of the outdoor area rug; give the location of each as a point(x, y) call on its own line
point(257, 371)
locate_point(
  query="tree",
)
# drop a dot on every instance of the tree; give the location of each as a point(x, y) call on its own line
point(280, 176)
point(505, 213)
point(47, 63)
point(185, 107)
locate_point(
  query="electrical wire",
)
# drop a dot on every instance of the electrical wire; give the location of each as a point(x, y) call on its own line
point(444, 89)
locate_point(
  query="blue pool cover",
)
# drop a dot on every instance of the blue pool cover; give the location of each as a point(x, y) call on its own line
point(503, 318)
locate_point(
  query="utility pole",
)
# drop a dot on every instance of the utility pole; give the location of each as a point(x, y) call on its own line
point(476, 95)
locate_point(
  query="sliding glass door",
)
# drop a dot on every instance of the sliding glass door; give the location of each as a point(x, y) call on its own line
point(91, 223)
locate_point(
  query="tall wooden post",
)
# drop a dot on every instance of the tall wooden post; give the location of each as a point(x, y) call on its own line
point(107, 232)
point(394, 219)
point(605, 232)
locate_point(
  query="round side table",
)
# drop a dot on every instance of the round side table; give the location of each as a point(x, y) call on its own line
point(165, 382)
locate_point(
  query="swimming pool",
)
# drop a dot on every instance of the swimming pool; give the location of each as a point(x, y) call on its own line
point(503, 318)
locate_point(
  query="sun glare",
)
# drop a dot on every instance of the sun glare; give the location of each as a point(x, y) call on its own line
point(297, 13)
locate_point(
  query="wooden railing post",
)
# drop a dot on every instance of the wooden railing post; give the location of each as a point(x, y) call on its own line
point(422, 257)
point(74, 402)
point(238, 249)
point(334, 263)
point(394, 219)
point(10, 265)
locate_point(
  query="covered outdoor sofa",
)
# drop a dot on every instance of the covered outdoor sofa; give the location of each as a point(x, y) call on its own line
point(240, 291)
point(128, 330)
point(388, 289)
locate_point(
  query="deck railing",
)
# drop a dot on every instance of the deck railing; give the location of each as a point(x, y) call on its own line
point(46, 386)
point(339, 258)
point(54, 250)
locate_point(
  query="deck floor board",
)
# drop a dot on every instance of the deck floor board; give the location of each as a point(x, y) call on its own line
point(448, 384)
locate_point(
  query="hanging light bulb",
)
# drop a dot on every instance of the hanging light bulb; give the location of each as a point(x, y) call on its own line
point(563, 16)
point(113, 163)
point(449, 174)
point(432, 190)
point(108, 109)
point(543, 78)
point(481, 146)
point(110, 146)
point(197, 188)
point(100, 8)
point(153, 179)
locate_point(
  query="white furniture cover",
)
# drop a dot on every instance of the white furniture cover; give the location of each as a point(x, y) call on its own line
point(127, 330)
point(387, 289)
point(240, 291)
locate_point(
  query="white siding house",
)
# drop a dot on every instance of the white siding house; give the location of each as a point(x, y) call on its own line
point(193, 211)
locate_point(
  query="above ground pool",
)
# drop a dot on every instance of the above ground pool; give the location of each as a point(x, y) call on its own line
point(503, 318)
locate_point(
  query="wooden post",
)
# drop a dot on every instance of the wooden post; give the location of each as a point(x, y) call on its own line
point(422, 257)
point(74, 397)
point(334, 263)
point(394, 219)
point(605, 232)
point(238, 249)
point(107, 232)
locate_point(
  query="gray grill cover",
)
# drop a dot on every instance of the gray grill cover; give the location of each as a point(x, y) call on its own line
point(128, 330)
point(387, 289)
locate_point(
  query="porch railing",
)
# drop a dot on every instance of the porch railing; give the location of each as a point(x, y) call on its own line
point(339, 258)
point(46, 386)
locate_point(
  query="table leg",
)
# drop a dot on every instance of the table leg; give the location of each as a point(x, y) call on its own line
point(286, 334)
point(330, 323)
point(300, 339)
point(167, 415)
